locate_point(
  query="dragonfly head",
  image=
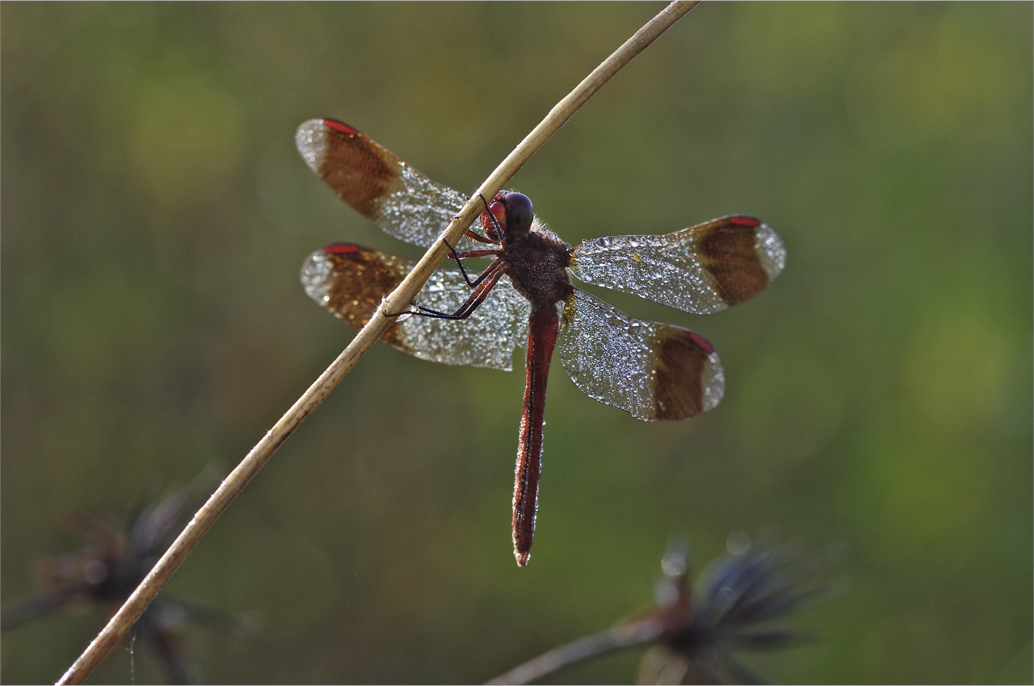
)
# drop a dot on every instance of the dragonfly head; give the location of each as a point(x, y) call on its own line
point(518, 214)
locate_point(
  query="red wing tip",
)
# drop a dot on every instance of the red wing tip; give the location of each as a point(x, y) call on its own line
point(341, 249)
point(743, 220)
point(704, 344)
point(340, 126)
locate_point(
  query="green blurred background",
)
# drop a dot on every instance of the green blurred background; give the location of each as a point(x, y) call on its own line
point(155, 215)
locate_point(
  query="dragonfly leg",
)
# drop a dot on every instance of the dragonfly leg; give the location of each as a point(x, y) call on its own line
point(498, 230)
point(487, 281)
point(453, 255)
point(471, 233)
point(464, 255)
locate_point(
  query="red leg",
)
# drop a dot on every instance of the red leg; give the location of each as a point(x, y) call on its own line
point(477, 253)
point(470, 233)
point(473, 253)
point(543, 329)
point(484, 287)
point(470, 253)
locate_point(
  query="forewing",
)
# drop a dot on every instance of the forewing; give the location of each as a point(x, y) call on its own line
point(702, 269)
point(351, 281)
point(377, 184)
point(655, 371)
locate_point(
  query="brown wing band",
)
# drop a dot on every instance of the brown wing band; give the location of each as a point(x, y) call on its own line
point(681, 357)
point(361, 279)
point(359, 170)
point(730, 254)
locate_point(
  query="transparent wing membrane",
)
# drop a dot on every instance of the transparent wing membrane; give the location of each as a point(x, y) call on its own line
point(376, 183)
point(655, 371)
point(701, 269)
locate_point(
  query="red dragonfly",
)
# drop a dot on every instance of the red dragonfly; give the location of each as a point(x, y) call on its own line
point(654, 371)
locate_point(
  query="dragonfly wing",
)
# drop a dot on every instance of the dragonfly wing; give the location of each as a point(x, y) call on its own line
point(702, 269)
point(655, 371)
point(351, 281)
point(378, 185)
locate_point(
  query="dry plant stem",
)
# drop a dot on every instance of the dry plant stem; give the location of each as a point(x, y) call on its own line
point(398, 301)
point(618, 638)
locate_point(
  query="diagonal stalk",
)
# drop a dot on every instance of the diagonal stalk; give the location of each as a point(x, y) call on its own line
point(621, 637)
point(398, 301)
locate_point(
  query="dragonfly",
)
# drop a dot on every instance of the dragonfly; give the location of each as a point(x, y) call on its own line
point(525, 297)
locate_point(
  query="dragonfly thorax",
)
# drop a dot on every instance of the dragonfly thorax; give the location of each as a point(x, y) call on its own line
point(537, 267)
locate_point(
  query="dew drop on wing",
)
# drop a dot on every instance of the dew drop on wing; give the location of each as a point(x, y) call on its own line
point(316, 276)
point(771, 251)
point(420, 209)
point(713, 382)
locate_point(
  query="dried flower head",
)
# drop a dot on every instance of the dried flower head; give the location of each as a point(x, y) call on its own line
point(736, 608)
point(107, 571)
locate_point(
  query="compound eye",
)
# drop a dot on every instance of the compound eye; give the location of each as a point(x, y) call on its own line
point(518, 215)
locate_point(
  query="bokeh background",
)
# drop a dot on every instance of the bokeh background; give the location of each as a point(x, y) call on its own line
point(155, 215)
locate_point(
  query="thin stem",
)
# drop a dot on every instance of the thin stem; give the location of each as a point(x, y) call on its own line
point(398, 301)
point(617, 638)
